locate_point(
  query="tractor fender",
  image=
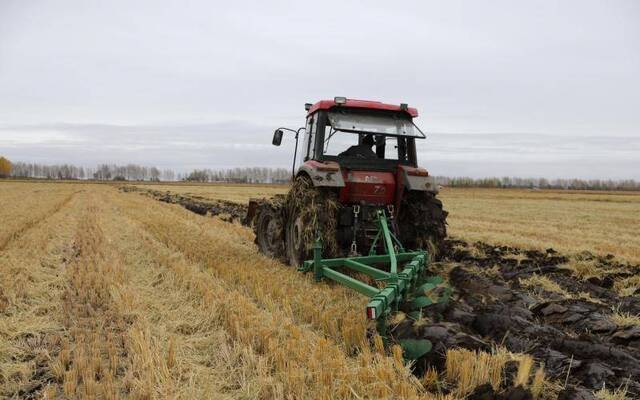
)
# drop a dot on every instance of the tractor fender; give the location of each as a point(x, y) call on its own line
point(322, 174)
point(418, 179)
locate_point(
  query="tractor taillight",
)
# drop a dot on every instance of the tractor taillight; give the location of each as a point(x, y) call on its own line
point(371, 313)
point(417, 172)
point(328, 168)
point(340, 100)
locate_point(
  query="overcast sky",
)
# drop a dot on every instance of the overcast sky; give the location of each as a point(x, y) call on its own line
point(535, 88)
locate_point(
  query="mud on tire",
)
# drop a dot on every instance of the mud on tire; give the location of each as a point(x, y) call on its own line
point(310, 211)
point(422, 222)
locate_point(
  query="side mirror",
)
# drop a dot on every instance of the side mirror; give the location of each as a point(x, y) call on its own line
point(277, 137)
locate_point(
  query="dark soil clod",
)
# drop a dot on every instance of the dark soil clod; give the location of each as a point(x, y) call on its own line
point(225, 210)
point(567, 334)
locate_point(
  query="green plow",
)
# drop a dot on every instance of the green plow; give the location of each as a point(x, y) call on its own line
point(410, 288)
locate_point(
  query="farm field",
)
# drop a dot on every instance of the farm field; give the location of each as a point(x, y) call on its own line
point(112, 294)
point(603, 223)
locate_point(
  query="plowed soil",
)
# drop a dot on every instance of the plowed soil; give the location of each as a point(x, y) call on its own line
point(575, 337)
point(226, 210)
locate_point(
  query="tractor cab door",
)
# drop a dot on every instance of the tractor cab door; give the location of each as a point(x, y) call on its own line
point(308, 144)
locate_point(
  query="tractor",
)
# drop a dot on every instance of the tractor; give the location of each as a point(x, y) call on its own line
point(357, 157)
point(358, 202)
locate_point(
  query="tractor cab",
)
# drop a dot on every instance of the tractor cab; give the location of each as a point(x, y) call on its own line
point(361, 134)
point(365, 149)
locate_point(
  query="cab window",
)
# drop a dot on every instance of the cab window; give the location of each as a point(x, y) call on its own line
point(308, 144)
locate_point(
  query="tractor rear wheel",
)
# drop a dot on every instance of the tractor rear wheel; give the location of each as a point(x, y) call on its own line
point(311, 212)
point(423, 222)
point(269, 231)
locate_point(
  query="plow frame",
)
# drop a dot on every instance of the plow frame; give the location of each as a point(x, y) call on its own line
point(400, 285)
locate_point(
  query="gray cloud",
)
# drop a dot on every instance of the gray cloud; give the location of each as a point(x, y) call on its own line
point(203, 84)
point(235, 143)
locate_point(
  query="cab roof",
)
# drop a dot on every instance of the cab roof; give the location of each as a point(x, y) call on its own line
point(364, 104)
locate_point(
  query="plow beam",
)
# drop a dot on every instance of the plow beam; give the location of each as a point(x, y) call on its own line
point(401, 285)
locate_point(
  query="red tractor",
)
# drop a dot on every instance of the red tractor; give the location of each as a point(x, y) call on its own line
point(357, 158)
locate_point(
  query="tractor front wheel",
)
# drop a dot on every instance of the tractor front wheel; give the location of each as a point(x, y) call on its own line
point(269, 230)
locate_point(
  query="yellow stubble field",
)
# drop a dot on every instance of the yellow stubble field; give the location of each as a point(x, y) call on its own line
point(111, 295)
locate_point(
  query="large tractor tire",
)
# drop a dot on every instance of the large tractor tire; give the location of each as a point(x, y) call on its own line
point(311, 212)
point(269, 228)
point(423, 223)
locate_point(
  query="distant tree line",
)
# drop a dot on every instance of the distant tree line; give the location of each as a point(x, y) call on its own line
point(540, 183)
point(241, 175)
point(5, 167)
point(131, 172)
point(134, 172)
point(104, 172)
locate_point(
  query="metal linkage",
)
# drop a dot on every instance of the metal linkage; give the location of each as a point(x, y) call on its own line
point(400, 285)
point(409, 288)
